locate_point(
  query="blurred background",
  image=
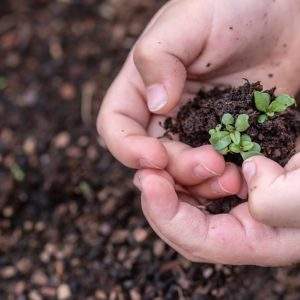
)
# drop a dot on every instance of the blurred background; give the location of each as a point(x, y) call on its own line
point(70, 220)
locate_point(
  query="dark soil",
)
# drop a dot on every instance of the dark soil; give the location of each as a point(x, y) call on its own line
point(277, 136)
point(70, 221)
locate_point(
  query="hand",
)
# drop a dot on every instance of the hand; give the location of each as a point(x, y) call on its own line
point(274, 192)
point(235, 238)
point(188, 45)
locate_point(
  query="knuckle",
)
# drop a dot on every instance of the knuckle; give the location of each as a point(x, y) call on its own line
point(143, 52)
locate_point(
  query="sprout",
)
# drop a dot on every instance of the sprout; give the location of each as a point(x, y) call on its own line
point(263, 104)
point(230, 138)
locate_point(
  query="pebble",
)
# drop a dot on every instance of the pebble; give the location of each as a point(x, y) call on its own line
point(100, 295)
point(34, 295)
point(62, 140)
point(29, 145)
point(158, 248)
point(63, 292)
point(207, 272)
point(140, 235)
point(67, 91)
point(135, 295)
point(8, 272)
point(39, 278)
point(119, 236)
point(19, 288)
point(24, 265)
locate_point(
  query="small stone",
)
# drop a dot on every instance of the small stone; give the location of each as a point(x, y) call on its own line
point(8, 272)
point(8, 211)
point(39, 278)
point(207, 272)
point(62, 140)
point(158, 248)
point(48, 291)
point(135, 295)
point(19, 288)
point(67, 91)
point(140, 235)
point(40, 226)
point(119, 236)
point(34, 295)
point(24, 265)
point(100, 295)
point(29, 146)
point(63, 292)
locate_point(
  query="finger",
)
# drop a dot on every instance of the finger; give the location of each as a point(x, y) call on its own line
point(191, 166)
point(227, 238)
point(273, 191)
point(122, 120)
point(161, 54)
point(229, 183)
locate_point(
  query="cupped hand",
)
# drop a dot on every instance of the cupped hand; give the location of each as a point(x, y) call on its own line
point(235, 238)
point(191, 44)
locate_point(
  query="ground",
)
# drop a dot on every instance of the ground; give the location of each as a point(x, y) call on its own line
point(71, 225)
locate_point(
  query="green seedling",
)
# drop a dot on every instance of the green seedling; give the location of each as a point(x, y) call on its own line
point(269, 109)
point(229, 137)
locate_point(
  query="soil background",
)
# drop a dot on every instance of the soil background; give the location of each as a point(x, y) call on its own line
point(70, 221)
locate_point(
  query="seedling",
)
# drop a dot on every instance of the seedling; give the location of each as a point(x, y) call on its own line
point(269, 109)
point(227, 137)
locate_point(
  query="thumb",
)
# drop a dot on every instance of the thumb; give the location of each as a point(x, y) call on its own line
point(273, 192)
point(170, 44)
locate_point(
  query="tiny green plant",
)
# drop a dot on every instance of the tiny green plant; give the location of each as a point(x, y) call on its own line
point(230, 137)
point(269, 109)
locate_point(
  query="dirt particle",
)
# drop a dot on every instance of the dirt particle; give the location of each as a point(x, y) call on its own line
point(208, 65)
point(270, 75)
point(62, 140)
point(8, 272)
point(63, 292)
point(230, 28)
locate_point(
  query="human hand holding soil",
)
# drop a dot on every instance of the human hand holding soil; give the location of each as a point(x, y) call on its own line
point(190, 44)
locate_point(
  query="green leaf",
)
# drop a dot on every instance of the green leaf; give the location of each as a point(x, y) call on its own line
point(224, 151)
point(230, 128)
point(256, 148)
point(235, 137)
point(281, 103)
point(246, 155)
point(220, 140)
point(234, 148)
point(262, 101)
point(242, 123)
point(219, 127)
point(246, 138)
point(247, 146)
point(270, 114)
point(227, 119)
point(212, 132)
point(262, 119)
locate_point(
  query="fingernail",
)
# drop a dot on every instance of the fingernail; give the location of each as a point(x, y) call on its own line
point(144, 163)
point(137, 181)
point(202, 171)
point(249, 170)
point(217, 187)
point(157, 97)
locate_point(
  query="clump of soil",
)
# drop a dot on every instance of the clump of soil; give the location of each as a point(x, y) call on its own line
point(277, 136)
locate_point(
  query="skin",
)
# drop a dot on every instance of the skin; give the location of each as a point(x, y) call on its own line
point(191, 44)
